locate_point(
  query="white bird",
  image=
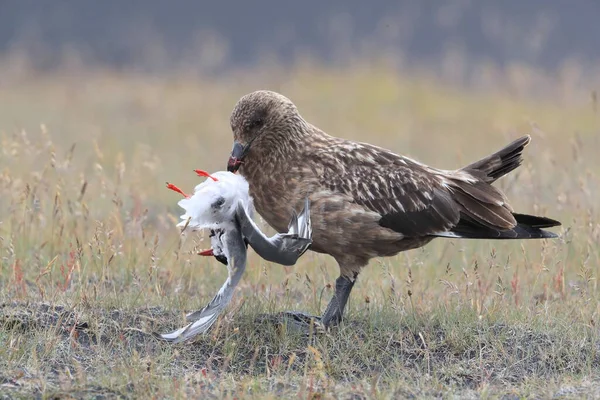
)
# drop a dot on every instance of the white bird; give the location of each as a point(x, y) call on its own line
point(214, 201)
point(223, 204)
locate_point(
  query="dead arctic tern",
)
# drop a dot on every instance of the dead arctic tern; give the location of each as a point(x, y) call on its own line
point(222, 203)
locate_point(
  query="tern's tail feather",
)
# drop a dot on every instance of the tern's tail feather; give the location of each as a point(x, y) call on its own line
point(299, 235)
point(300, 224)
point(304, 221)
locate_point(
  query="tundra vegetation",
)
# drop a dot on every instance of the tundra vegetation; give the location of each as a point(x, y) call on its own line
point(92, 263)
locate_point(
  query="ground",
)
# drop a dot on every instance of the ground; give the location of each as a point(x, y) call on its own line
point(92, 263)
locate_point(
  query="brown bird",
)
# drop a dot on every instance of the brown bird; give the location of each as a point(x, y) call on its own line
point(365, 200)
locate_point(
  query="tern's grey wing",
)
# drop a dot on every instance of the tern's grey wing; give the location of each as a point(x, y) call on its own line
point(203, 319)
point(282, 248)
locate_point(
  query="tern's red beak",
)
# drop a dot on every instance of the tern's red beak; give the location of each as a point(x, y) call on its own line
point(208, 252)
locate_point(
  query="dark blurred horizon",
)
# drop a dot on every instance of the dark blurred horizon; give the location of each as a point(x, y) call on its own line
point(160, 35)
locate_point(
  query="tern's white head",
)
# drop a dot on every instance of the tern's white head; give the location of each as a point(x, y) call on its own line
point(213, 204)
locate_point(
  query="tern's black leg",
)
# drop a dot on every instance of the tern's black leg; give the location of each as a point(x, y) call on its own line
point(222, 259)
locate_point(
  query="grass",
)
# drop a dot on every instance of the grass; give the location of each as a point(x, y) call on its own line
point(92, 262)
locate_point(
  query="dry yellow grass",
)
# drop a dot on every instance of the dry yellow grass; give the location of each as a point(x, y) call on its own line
point(92, 261)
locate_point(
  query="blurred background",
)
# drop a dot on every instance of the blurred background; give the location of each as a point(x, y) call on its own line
point(159, 35)
point(402, 74)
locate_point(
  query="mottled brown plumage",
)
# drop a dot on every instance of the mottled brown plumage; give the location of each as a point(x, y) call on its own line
point(367, 201)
